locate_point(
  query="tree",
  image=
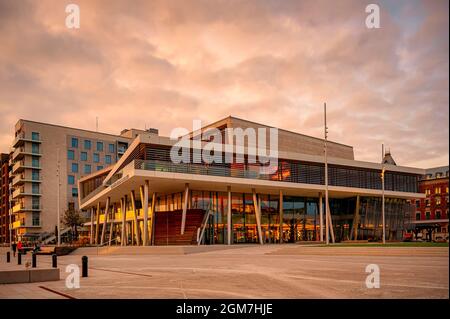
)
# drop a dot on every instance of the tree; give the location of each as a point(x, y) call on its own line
point(72, 218)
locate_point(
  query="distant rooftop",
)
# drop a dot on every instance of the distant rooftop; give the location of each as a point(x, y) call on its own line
point(436, 172)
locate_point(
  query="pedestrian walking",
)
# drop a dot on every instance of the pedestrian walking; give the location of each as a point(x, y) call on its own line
point(14, 248)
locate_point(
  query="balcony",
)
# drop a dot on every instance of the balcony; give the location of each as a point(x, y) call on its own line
point(21, 165)
point(21, 192)
point(21, 138)
point(22, 223)
point(21, 207)
point(20, 179)
point(21, 151)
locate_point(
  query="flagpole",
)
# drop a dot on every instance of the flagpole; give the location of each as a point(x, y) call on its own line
point(382, 193)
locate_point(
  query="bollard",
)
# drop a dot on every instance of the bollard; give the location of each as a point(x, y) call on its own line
point(84, 266)
point(8, 257)
point(54, 261)
point(33, 260)
point(19, 258)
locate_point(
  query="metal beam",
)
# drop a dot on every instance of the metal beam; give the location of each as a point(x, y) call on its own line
point(144, 200)
point(122, 234)
point(183, 216)
point(105, 221)
point(111, 223)
point(136, 225)
point(229, 216)
point(321, 216)
point(258, 216)
point(152, 218)
point(97, 225)
point(281, 216)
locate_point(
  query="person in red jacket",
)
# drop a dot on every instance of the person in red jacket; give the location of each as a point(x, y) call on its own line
point(19, 246)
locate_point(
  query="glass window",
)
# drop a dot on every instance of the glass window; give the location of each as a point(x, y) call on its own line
point(35, 161)
point(35, 175)
point(36, 219)
point(108, 159)
point(74, 142)
point(427, 215)
point(87, 169)
point(75, 192)
point(96, 158)
point(87, 144)
point(417, 203)
point(100, 146)
point(83, 156)
point(35, 148)
point(70, 155)
point(111, 148)
point(438, 200)
point(71, 180)
point(74, 168)
point(35, 203)
point(417, 216)
point(438, 214)
point(437, 190)
point(35, 136)
point(35, 188)
point(99, 168)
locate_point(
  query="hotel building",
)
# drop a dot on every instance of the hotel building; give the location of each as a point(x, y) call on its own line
point(4, 198)
point(147, 199)
point(48, 160)
point(431, 218)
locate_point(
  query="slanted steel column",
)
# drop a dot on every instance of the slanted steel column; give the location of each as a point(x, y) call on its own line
point(258, 216)
point(97, 225)
point(105, 221)
point(281, 216)
point(229, 215)
point(152, 218)
point(91, 233)
point(321, 216)
point(183, 216)
point(111, 223)
point(354, 232)
point(123, 208)
point(144, 200)
point(136, 225)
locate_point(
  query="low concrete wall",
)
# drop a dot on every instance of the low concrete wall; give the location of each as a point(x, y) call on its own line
point(29, 275)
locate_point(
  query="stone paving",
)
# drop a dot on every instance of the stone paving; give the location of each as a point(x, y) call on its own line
point(270, 271)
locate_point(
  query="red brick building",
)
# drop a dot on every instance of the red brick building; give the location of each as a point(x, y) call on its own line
point(4, 198)
point(431, 220)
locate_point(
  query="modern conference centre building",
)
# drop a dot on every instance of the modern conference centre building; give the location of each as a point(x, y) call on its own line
point(148, 199)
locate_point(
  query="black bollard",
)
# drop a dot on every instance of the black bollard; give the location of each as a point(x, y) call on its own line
point(33, 260)
point(19, 258)
point(8, 257)
point(84, 266)
point(54, 261)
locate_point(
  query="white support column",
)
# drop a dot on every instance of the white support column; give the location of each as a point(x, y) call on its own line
point(111, 224)
point(258, 216)
point(97, 225)
point(152, 218)
point(136, 225)
point(91, 233)
point(330, 222)
point(122, 234)
point(144, 200)
point(105, 221)
point(229, 215)
point(321, 216)
point(183, 216)
point(281, 216)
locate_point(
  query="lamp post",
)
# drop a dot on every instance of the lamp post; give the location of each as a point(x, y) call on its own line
point(328, 220)
point(58, 173)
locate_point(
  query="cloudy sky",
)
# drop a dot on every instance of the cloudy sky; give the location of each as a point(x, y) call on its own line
point(163, 63)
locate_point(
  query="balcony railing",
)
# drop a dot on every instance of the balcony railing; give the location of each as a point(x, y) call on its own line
point(21, 137)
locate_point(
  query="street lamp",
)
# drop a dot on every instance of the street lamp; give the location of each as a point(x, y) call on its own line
point(382, 193)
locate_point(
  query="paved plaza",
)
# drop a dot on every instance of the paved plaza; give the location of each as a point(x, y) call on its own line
point(269, 271)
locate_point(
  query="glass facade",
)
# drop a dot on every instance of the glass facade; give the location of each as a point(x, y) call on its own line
point(300, 221)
